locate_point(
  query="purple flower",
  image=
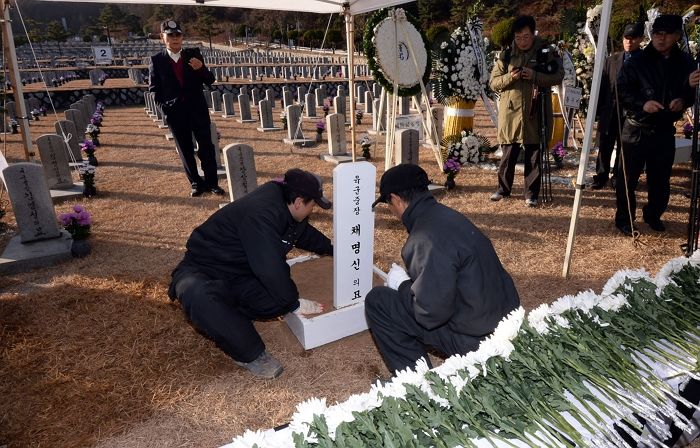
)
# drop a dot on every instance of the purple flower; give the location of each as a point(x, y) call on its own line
point(688, 127)
point(451, 165)
point(320, 126)
point(65, 218)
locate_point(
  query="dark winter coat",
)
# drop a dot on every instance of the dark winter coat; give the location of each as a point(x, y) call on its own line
point(251, 237)
point(457, 278)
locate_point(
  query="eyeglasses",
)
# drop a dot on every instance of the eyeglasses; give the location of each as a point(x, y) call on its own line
point(524, 38)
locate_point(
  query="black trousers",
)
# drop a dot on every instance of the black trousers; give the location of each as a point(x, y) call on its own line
point(224, 310)
point(185, 124)
point(506, 169)
point(400, 339)
point(656, 150)
point(606, 146)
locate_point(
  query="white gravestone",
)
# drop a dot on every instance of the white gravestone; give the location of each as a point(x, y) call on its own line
point(310, 103)
point(353, 254)
point(54, 160)
point(270, 96)
point(228, 105)
point(31, 202)
point(410, 122)
point(406, 147)
point(215, 101)
point(244, 107)
point(337, 140)
point(67, 128)
point(265, 111)
point(340, 107)
point(240, 170)
point(76, 117)
point(295, 136)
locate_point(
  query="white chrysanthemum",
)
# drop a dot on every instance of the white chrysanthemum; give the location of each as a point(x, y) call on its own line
point(249, 439)
point(509, 326)
point(564, 303)
point(537, 318)
point(621, 277)
point(663, 278)
point(613, 302)
point(304, 415)
point(343, 412)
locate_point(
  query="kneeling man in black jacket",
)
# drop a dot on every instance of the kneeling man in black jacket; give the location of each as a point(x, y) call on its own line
point(235, 268)
point(455, 291)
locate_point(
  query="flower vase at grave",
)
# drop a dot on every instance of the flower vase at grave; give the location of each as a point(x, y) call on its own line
point(450, 183)
point(80, 248)
point(89, 190)
point(95, 140)
point(319, 137)
point(14, 129)
point(459, 116)
point(688, 135)
point(92, 160)
point(365, 152)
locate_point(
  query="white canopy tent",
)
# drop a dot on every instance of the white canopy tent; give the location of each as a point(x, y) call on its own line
point(352, 7)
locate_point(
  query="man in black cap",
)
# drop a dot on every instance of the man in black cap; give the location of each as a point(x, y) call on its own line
point(608, 111)
point(177, 77)
point(455, 291)
point(235, 269)
point(654, 90)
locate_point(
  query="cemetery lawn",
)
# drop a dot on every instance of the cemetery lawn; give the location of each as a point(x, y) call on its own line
point(93, 353)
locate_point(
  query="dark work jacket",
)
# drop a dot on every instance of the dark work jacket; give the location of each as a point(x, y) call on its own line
point(607, 105)
point(251, 237)
point(174, 100)
point(649, 76)
point(456, 277)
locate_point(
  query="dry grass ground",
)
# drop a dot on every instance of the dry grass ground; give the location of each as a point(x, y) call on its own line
point(92, 352)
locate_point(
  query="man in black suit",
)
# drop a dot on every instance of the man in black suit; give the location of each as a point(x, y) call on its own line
point(608, 113)
point(177, 76)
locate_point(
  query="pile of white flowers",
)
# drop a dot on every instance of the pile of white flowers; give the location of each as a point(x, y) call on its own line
point(465, 149)
point(461, 71)
point(583, 53)
point(547, 379)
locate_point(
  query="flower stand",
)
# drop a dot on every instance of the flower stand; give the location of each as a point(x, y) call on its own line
point(459, 116)
point(557, 123)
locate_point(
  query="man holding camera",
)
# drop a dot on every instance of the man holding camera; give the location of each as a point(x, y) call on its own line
point(654, 90)
point(177, 76)
point(522, 76)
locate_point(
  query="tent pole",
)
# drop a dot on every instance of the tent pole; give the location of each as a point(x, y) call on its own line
point(350, 33)
point(587, 137)
point(15, 81)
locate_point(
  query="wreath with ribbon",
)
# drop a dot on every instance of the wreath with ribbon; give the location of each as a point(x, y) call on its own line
point(392, 62)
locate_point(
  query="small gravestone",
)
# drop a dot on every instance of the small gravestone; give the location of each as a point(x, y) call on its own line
point(76, 117)
point(244, 107)
point(40, 241)
point(240, 170)
point(270, 96)
point(368, 102)
point(216, 101)
point(207, 98)
point(404, 105)
point(265, 111)
point(11, 111)
point(67, 128)
point(31, 202)
point(228, 106)
point(319, 97)
point(310, 105)
point(339, 105)
point(301, 94)
point(255, 95)
point(287, 99)
point(54, 160)
point(361, 94)
point(294, 134)
point(337, 141)
point(406, 146)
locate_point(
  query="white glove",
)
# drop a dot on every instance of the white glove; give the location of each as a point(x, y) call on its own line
point(396, 276)
point(308, 307)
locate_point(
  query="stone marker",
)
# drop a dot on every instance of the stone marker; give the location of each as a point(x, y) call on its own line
point(266, 122)
point(337, 141)
point(406, 146)
point(310, 105)
point(54, 160)
point(215, 101)
point(76, 117)
point(31, 202)
point(228, 106)
point(67, 128)
point(339, 106)
point(244, 108)
point(270, 96)
point(240, 170)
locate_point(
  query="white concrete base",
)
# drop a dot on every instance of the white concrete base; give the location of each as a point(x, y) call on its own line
point(74, 164)
point(268, 129)
point(227, 116)
point(373, 132)
point(220, 172)
point(62, 194)
point(684, 148)
point(299, 141)
point(339, 158)
point(328, 327)
point(18, 257)
point(169, 136)
point(246, 121)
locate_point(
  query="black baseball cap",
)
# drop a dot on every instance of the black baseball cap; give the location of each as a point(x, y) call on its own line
point(306, 184)
point(400, 178)
point(170, 27)
point(633, 30)
point(670, 23)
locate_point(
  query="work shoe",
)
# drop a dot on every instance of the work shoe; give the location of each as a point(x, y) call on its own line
point(264, 366)
point(531, 202)
point(217, 190)
point(655, 224)
point(497, 196)
point(626, 229)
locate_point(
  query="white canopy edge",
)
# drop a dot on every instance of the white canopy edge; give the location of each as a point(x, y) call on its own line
point(316, 6)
